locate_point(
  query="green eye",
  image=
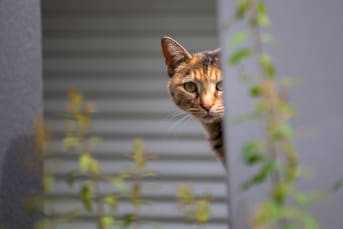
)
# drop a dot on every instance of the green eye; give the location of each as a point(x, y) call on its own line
point(190, 87)
point(219, 86)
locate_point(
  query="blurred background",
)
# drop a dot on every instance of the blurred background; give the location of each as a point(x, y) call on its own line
point(110, 51)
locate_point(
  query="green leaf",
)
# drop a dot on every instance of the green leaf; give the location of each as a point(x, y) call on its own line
point(94, 166)
point(262, 107)
point(251, 153)
point(120, 185)
point(310, 222)
point(88, 163)
point(260, 176)
point(202, 211)
point(107, 221)
point(272, 210)
point(338, 185)
point(242, 8)
point(240, 55)
point(281, 191)
point(86, 197)
point(284, 131)
point(84, 161)
point(261, 8)
point(184, 194)
point(266, 212)
point(238, 38)
point(256, 90)
point(263, 20)
point(303, 199)
point(128, 220)
point(267, 65)
point(111, 201)
point(265, 59)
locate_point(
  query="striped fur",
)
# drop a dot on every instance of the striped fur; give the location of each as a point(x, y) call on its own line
point(202, 71)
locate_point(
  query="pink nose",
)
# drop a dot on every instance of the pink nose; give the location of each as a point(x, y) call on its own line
point(207, 107)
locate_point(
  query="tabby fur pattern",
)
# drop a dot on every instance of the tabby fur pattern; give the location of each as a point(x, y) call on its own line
point(195, 85)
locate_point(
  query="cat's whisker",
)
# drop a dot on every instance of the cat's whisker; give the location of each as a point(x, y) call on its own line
point(175, 114)
point(178, 122)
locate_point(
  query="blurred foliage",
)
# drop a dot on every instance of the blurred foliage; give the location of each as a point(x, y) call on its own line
point(88, 175)
point(338, 184)
point(196, 210)
point(275, 154)
point(88, 172)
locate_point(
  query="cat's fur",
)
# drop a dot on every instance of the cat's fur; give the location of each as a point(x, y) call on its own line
point(195, 87)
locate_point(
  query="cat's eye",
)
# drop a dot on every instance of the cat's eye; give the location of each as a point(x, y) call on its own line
point(219, 86)
point(190, 87)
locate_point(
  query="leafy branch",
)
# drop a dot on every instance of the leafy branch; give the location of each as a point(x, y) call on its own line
point(275, 154)
point(79, 142)
point(196, 210)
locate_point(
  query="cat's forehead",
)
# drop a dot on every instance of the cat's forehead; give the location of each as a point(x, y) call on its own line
point(205, 66)
point(212, 74)
point(204, 60)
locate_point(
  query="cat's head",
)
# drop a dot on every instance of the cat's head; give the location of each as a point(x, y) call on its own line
point(195, 81)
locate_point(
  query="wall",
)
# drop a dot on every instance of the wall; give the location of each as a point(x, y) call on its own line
point(20, 104)
point(309, 49)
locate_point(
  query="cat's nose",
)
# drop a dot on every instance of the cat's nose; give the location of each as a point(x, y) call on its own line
point(207, 107)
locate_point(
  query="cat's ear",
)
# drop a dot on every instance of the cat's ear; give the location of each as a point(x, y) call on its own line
point(174, 54)
point(217, 52)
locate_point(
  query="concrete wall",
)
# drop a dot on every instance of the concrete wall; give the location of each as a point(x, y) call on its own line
point(309, 35)
point(20, 104)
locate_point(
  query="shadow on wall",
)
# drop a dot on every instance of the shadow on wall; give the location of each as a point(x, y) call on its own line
point(21, 177)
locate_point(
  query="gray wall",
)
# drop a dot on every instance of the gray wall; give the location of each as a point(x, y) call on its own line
point(309, 35)
point(20, 104)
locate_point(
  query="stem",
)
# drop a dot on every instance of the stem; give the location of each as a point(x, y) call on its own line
point(138, 196)
point(258, 48)
point(272, 119)
point(95, 178)
point(100, 206)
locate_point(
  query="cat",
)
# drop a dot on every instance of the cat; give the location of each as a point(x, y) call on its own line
point(195, 85)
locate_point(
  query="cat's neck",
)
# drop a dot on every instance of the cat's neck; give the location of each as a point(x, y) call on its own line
point(215, 137)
